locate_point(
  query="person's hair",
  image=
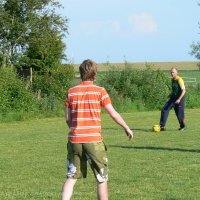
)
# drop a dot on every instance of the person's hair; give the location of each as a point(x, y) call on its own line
point(88, 70)
point(174, 68)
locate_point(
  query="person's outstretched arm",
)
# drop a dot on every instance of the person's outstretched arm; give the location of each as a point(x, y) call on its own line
point(119, 120)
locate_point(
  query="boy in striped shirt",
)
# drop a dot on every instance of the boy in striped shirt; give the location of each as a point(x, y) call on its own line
point(85, 141)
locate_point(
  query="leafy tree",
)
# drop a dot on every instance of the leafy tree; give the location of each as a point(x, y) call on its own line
point(196, 48)
point(31, 33)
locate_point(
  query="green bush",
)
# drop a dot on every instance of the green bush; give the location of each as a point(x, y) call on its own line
point(14, 95)
point(144, 88)
point(155, 88)
point(193, 97)
point(130, 90)
point(55, 81)
point(51, 86)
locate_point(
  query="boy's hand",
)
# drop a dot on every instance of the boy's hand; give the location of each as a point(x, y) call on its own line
point(129, 133)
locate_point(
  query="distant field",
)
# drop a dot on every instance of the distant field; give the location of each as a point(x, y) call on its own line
point(193, 74)
point(188, 70)
point(155, 65)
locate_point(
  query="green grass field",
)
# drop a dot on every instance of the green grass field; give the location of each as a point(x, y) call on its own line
point(153, 166)
point(191, 74)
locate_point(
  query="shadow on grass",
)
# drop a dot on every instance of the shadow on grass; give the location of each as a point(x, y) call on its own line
point(134, 129)
point(141, 129)
point(157, 148)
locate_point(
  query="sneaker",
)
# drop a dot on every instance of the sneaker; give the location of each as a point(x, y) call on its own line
point(162, 128)
point(182, 128)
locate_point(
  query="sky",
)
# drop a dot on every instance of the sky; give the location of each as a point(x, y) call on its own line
point(116, 31)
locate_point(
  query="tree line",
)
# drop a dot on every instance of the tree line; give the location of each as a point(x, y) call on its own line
point(32, 76)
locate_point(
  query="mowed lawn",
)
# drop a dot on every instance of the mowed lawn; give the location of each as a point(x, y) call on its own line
point(153, 166)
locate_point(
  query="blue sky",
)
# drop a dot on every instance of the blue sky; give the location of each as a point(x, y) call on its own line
point(131, 30)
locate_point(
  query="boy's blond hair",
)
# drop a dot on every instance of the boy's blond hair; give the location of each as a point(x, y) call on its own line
point(88, 70)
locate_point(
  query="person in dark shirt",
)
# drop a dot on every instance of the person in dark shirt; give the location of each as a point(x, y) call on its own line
point(176, 101)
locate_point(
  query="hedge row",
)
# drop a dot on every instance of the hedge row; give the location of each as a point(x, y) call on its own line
point(146, 89)
point(46, 92)
point(130, 90)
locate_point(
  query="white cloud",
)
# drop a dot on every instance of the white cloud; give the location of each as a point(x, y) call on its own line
point(142, 23)
point(116, 26)
point(100, 27)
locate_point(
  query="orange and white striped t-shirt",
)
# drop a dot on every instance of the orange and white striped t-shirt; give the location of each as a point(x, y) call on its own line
point(85, 101)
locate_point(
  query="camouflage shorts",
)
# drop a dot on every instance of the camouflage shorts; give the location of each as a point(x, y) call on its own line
point(94, 153)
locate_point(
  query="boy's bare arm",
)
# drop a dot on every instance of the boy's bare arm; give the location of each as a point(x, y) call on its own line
point(119, 120)
point(68, 116)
